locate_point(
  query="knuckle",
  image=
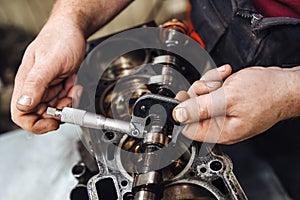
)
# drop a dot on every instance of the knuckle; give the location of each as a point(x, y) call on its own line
point(230, 99)
point(203, 112)
point(198, 84)
point(212, 75)
point(36, 82)
point(202, 108)
point(35, 77)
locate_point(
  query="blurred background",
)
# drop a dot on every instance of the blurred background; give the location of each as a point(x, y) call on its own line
point(21, 20)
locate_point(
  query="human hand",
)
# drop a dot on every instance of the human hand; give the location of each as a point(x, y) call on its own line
point(46, 76)
point(249, 102)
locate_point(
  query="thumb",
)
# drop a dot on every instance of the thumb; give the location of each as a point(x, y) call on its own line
point(34, 87)
point(201, 107)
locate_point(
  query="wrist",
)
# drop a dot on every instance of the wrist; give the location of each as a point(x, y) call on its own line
point(66, 18)
point(86, 15)
point(291, 84)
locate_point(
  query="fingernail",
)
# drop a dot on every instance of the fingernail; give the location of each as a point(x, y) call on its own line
point(211, 84)
point(24, 100)
point(180, 114)
point(222, 68)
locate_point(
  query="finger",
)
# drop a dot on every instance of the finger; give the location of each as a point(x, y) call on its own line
point(43, 125)
point(28, 60)
point(52, 92)
point(210, 81)
point(37, 122)
point(210, 130)
point(217, 74)
point(202, 132)
point(202, 107)
point(201, 87)
point(182, 96)
point(53, 102)
point(75, 93)
point(34, 87)
point(69, 83)
point(72, 99)
point(64, 102)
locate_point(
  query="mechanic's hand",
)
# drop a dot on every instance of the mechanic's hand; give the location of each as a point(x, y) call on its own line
point(249, 102)
point(46, 76)
point(210, 81)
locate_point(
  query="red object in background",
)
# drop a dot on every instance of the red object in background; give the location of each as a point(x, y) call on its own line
point(192, 33)
point(196, 37)
point(278, 8)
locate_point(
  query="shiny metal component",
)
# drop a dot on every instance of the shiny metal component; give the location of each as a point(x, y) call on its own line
point(146, 186)
point(108, 101)
point(135, 128)
point(156, 138)
point(255, 19)
point(127, 163)
point(158, 110)
point(187, 191)
point(78, 170)
point(125, 64)
point(147, 178)
point(175, 24)
point(53, 112)
point(151, 159)
point(91, 120)
point(166, 59)
point(170, 32)
point(103, 187)
point(145, 195)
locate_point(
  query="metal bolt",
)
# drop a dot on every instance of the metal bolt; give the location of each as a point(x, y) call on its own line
point(135, 133)
point(143, 108)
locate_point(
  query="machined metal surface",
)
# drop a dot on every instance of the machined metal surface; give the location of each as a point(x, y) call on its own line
point(150, 159)
point(187, 191)
point(156, 138)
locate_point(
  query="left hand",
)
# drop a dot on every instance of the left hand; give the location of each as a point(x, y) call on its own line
point(46, 76)
point(249, 102)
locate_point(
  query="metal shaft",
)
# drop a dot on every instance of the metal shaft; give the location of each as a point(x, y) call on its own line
point(90, 120)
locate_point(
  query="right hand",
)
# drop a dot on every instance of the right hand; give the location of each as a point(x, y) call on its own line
point(249, 102)
point(209, 82)
point(46, 76)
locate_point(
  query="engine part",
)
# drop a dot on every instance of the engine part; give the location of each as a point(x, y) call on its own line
point(139, 150)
